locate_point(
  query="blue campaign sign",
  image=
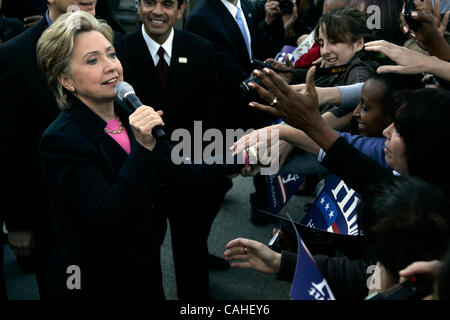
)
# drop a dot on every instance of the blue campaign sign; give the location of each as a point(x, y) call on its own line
point(280, 189)
point(335, 209)
point(309, 283)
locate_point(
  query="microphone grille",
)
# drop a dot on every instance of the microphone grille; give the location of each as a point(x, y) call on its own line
point(123, 89)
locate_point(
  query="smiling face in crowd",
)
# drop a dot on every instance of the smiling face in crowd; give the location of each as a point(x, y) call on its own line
point(159, 16)
point(370, 113)
point(395, 150)
point(337, 53)
point(95, 70)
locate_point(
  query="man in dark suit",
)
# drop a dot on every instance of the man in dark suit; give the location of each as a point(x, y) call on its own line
point(174, 71)
point(27, 108)
point(217, 21)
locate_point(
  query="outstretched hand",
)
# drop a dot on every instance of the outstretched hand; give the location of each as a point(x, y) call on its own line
point(408, 61)
point(296, 109)
point(253, 255)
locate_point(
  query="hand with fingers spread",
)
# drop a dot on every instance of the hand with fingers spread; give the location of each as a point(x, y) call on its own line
point(409, 61)
point(253, 255)
point(298, 110)
point(142, 121)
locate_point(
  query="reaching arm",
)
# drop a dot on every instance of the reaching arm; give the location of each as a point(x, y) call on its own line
point(409, 61)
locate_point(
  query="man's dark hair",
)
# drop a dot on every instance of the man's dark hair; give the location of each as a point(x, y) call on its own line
point(180, 2)
point(423, 122)
point(405, 219)
point(393, 85)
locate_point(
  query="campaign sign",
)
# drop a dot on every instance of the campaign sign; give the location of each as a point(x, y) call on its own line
point(286, 50)
point(280, 189)
point(309, 283)
point(335, 209)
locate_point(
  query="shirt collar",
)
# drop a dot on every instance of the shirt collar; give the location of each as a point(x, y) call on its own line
point(47, 17)
point(153, 46)
point(231, 7)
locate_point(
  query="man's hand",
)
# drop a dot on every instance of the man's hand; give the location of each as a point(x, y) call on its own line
point(22, 243)
point(31, 21)
point(289, 20)
point(272, 8)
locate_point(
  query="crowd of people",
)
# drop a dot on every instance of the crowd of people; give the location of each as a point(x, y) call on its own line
point(88, 178)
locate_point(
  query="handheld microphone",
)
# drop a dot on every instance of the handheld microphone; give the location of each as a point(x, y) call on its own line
point(125, 92)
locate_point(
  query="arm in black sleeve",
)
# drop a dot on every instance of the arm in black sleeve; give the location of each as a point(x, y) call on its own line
point(287, 266)
point(356, 169)
point(74, 175)
point(347, 278)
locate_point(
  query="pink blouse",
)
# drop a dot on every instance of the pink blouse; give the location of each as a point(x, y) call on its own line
point(121, 138)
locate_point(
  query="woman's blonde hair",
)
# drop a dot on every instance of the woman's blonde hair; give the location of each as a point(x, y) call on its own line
point(55, 49)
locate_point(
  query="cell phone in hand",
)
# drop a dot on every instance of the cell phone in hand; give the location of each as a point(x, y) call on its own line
point(409, 7)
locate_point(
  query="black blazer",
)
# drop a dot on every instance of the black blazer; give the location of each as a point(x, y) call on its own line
point(211, 20)
point(102, 202)
point(192, 91)
point(356, 169)
point(27, 108)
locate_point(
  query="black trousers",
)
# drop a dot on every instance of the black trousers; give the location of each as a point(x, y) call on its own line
point(190, 207)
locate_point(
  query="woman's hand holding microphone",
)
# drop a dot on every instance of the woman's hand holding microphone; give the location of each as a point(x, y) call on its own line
point(142, 121)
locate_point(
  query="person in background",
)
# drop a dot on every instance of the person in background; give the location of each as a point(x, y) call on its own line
point(180, 78)
point(28, 12)
point(9, 27)
point(25, 95)
point(238, 37)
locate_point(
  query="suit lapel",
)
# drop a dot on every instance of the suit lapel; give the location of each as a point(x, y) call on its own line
point(111, 154)
point(232, 31)
point(180, 62)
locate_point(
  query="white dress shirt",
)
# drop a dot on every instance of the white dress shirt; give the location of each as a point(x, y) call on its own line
point(153, 47)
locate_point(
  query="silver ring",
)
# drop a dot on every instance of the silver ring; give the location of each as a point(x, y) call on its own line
point(274, 101)
point(245, 250)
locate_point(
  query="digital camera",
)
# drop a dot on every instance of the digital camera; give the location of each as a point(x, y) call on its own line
point(247, 92)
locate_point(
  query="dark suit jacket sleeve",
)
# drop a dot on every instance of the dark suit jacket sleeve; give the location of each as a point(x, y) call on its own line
point(225, 61)
point(356, 169)
point(16, 134)
point(213, 106)
point(74, 170)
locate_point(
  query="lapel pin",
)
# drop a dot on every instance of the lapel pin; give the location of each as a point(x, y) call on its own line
point(249, 15)
point(182, 60)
